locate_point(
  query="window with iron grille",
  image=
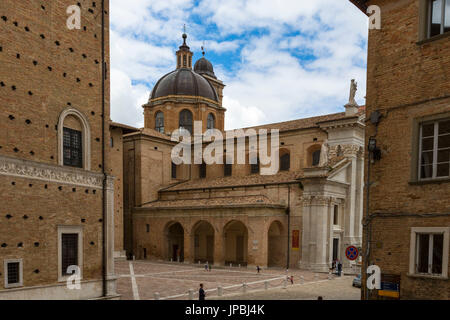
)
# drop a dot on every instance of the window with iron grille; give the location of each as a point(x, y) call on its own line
point(439, 18)
point(159, 122)
point(186, 120)
point(13, 273)
point(285, 162)
point(434, 150)
point(72, 148)
point(69, 251)
point(202, 172)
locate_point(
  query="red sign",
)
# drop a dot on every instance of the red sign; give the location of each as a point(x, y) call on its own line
point(351, 253)
point(295, 239)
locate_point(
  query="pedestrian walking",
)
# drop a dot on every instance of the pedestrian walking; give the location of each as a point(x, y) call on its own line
point(201, 293)
point(258, 268)
point(292, 279)
point(339, 268)
point(206, 266)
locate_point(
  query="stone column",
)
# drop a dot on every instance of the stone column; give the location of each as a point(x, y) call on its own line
point(188, 250)
point(219, 247)
point(109, 240)
point(305, 256)
point(321, 209)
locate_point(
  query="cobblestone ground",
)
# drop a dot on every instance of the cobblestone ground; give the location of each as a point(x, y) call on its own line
point(335, 289)
point(143, 279)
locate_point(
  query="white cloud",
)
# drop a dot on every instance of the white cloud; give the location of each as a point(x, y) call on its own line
point(127, 99)
point(270, 82)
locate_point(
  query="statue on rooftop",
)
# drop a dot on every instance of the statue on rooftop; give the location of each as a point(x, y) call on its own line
point(353, 89)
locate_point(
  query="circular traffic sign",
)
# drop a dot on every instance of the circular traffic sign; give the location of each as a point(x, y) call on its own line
point(351, 253)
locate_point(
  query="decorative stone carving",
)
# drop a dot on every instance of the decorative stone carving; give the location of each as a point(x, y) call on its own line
point(34, 170)
point(345, 150)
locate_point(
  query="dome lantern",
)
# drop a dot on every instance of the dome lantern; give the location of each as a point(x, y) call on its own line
point(184, 55)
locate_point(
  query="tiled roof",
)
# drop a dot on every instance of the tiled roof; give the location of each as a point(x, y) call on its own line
point(152, 133)
point(234, 181)
point(304, 123)
point(240, 201)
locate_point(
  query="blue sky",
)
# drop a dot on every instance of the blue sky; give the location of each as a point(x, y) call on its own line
point(279, 59)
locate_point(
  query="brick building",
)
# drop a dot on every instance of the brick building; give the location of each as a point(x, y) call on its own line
point(229, 213)
point(408, 104)
point(57, 198)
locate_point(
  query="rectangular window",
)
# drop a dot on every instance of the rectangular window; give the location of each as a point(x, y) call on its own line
point(336, 215)
point(202, 172)
point(227, 170)
point(69, 253)
point(434, 146)
point(111, 142)
point(13, 273)
point(72, 148)
point(147, 228)
point(174, 171)
point(429, 251)
point(439, 17)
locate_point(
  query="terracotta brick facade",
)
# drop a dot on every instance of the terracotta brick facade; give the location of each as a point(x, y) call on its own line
point(46, 71)
point(407, 82)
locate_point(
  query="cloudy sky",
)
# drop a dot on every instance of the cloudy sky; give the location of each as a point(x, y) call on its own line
point(279, 59)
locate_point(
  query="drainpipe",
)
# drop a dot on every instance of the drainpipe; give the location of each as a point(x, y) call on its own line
point(104, 262)
point(289, 226)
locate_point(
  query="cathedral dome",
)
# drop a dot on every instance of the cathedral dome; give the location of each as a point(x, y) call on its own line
point(184, 82)
point(203, 66)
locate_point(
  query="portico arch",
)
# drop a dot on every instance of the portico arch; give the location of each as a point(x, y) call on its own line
point(235, 242)
point(174, 235)
point(203, 242)
point(276, 245)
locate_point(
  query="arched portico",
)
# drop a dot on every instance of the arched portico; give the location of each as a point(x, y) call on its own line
point(203, 242)
point(174, 234)
point(235, 235)
point(276, 244)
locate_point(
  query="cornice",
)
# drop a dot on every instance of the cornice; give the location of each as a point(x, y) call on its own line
point(51, 173)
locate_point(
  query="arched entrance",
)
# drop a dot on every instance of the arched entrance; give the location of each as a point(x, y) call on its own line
point(276, 245)
point(175, 241)
point(203, 233)
point(235, 240)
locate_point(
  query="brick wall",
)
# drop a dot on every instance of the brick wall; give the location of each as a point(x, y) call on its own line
point(44, 69)
point(406, 81)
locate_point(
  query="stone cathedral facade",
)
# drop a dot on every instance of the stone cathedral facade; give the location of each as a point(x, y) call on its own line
point(304, 216)
point(79, 190)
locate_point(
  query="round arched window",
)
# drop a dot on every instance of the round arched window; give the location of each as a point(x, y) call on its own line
point(159, 122)
point(211, 122)
point(186, 120)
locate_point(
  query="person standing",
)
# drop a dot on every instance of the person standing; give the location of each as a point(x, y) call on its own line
point(258, 268)
point(339, 268)
point(209, 267)
point(201, 293)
